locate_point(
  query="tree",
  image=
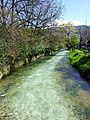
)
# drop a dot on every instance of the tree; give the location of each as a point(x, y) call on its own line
point(37, 13)
point(84, 36)
point(74, 40)
point(24, 27)
point(68, 30)
point(2, 16)
point(12, 13)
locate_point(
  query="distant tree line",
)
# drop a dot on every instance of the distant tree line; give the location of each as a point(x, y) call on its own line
point(76, 37)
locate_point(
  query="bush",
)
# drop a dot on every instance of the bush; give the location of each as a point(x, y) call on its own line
point(81, 61)
point(75, 57)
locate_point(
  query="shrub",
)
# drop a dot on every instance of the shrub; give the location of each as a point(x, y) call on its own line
point(81, 61)
point(75, 57)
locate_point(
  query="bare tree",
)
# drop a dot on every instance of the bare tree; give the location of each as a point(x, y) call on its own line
point(2, 12)
point(84, 36)
point(12, 16)
point(37, 13)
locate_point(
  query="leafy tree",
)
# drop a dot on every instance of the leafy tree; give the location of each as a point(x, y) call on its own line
point(68, 30)
point(74, 40)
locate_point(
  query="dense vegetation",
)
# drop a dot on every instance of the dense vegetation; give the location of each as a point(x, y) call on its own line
point(81, 61)
point(25, 31)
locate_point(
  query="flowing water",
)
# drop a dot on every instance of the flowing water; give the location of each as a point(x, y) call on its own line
point(48, 89)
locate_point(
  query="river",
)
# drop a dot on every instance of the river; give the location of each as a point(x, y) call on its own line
point(47, 89)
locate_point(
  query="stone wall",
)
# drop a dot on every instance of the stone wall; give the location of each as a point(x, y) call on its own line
point(5, 69)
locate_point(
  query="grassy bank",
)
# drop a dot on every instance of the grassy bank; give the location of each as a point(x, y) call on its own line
point(81, 61)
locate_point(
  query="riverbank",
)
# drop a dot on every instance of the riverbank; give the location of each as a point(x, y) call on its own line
point(8, 69)
point(80, 60)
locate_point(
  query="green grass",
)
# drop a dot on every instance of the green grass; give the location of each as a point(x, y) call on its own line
point(81, 61)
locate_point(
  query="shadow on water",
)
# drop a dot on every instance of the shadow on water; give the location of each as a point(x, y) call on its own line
point(76, 88)
point(69, 73)
point(40, 60)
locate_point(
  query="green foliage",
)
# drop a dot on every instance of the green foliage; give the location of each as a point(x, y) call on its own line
point(68, 28)
point(75, 57)
point(81, 62)
point(74, 40)
point(22, 43)
point(3, 53)
point(25, 51)
point(2, 47)
point(70, 37)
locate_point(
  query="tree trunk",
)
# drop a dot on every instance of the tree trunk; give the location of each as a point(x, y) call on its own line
point(3, 12)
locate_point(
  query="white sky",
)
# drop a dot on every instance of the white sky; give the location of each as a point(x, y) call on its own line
point(63, 21)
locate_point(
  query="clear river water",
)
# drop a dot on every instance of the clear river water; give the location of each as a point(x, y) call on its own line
point(47, 89)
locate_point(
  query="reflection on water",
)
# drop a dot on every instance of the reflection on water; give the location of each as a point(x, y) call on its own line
point(49, 89)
